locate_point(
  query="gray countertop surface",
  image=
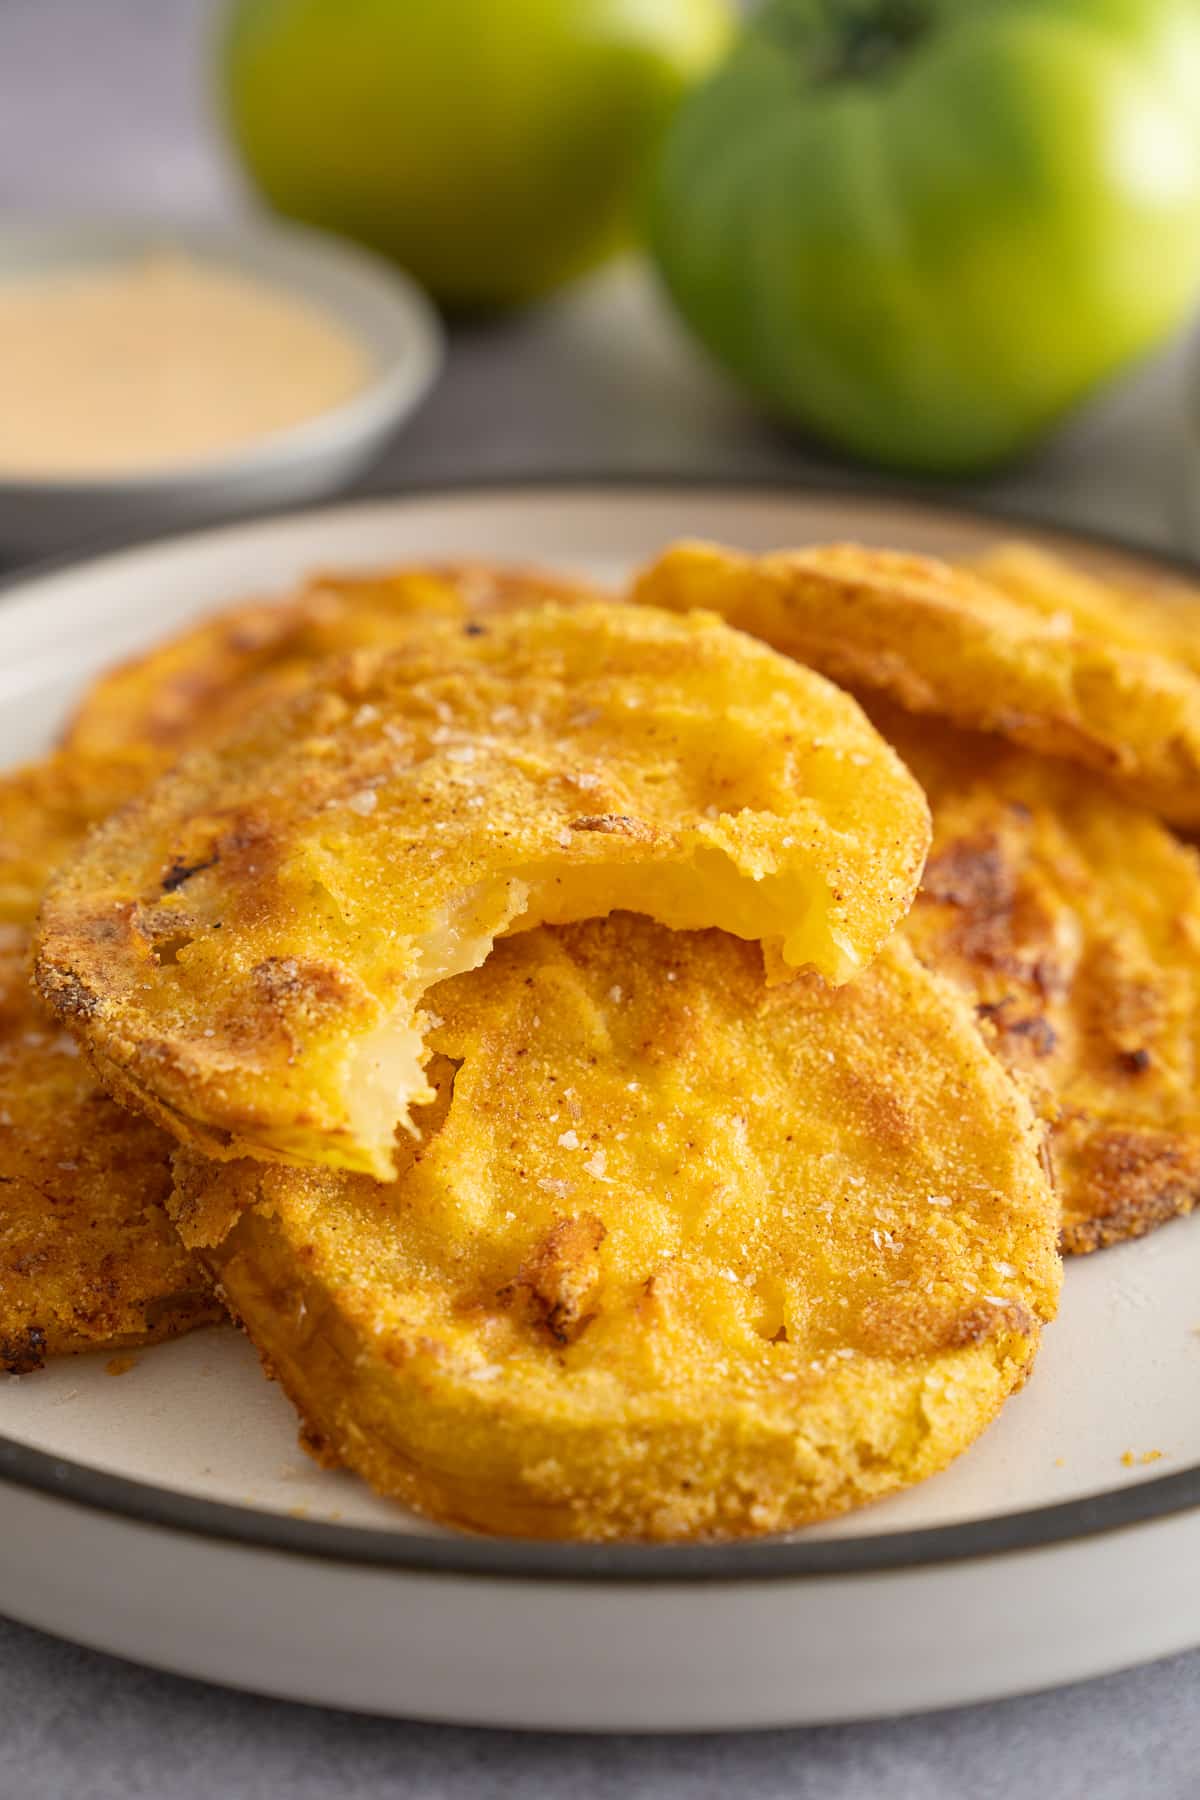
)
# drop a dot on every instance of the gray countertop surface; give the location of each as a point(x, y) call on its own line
point(103, 109)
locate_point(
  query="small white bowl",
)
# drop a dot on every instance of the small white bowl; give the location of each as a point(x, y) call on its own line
point(383, 310)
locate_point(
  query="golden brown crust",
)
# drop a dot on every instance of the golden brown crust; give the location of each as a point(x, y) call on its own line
point(46, 810)
point(1154, 613)
point(1073, 920)
point(1124, 1182)
point(239, 949)
point(88, 1258)
point(201, 682)
point(944, 641)
point(679, 1254)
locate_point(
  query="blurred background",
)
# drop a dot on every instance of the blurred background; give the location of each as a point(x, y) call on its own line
point(724, 362)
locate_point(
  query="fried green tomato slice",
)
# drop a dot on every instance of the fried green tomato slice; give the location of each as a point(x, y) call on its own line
point(679, 1255)
point(1158, 614)
point(1072, 920)
point(944, 641)
point(246, 949)
point(88, 1257)
point(194, 686)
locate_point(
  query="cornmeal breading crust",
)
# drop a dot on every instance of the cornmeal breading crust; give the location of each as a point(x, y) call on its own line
point(245, 950)
point(680, 1254)
point(944, 641)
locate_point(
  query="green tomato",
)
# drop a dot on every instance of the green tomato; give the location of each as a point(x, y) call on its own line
point(493, 147)
point(926, 228)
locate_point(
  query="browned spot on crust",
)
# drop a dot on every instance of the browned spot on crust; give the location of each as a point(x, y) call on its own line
point(891, 1117)
point(616, 825)
point(67, 995)
point(314, 1444)
point(1003, 924)
point(165, 931)
point(557, 1280)
point(179, 872)
point(291, 996)
point(1034, 1028)
point(287, 981)
point(985, 1321)
point(970, 873)
point(23, 1352)
point(901, 1325)
point(1129, 1181)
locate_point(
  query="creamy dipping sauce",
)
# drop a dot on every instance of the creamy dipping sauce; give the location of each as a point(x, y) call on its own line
point(158, 361)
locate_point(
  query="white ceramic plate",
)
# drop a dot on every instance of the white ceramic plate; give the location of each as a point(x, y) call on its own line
point(169, 1516)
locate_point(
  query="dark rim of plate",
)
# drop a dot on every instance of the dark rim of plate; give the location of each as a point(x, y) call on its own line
point(779, 1559)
